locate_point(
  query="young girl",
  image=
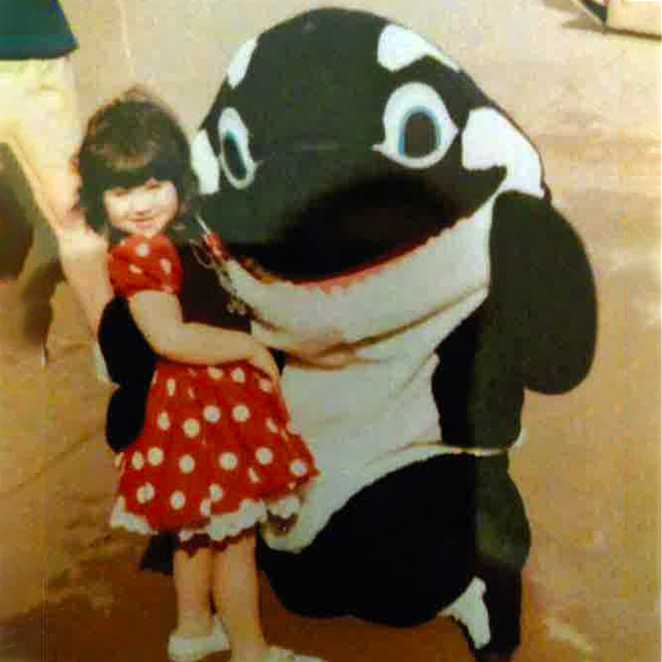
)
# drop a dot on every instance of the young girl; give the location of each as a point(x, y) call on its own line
point(216, 454)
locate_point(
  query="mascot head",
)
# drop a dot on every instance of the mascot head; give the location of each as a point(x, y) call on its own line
point(349, 164)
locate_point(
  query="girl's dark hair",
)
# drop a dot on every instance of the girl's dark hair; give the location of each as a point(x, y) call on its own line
point(128, 141)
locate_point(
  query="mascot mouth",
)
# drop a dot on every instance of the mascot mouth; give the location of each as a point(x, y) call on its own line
point(341, 281)
point(340, 239)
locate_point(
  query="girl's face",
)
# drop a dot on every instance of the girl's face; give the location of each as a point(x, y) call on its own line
point(146, 209)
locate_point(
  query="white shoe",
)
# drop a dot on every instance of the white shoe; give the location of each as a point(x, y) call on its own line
point(191, 649)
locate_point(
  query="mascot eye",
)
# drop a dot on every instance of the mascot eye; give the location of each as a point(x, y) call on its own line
point(235, 156)
point(418, 131)
point(232, 156)
point(419, 135)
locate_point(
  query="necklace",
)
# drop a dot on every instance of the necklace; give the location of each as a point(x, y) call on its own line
point(212, 254)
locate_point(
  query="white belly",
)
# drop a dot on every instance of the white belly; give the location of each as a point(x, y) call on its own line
point(368, 418)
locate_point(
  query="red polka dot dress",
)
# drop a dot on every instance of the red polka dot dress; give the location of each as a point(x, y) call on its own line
point(217, 451)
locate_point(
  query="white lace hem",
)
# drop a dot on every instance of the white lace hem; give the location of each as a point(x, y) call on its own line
point(121, 518)
point(285, 507)
point(219, 527)
point(229, 524)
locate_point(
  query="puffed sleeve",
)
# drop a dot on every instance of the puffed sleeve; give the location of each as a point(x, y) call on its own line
point(139, 263)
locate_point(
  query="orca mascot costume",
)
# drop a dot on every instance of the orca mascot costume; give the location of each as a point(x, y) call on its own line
point(389, 227)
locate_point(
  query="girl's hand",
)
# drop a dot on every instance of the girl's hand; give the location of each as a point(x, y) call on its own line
point(263, 360)
point(305, 345)
point(317, 344)
point(84, 260)
point(337, 357)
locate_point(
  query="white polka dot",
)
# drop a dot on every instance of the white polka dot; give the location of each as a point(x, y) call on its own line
point(271, 426)
point(171, 387)
point(216, 492)
point(142, 250)
point(186, 464)
point(177, 500)
point(166, 265)
point(118, 460)
point(228, 461)
point(238, 375)
point(205, 507)
point(191, 428)
point(163, 421)
point(241, 413)
point(145, 493)
point(135, 269)
point(215, 373)
point(191, 393)
point(252, 475)
point(192, 371)
point(266, 386)
point(299, 468)
point(155, 456)
point(212, 414)
point(264, 455)
point(137, 461)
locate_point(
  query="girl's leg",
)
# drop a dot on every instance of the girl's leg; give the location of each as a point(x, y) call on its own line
point(192, 577)
point(236, 595)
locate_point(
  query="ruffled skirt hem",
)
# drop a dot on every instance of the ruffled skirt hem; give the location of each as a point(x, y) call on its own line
point(218, 527)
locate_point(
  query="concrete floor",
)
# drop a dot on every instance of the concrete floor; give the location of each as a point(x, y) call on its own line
point(590, 471)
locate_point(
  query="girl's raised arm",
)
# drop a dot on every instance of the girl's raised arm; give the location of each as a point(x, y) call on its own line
point(84, 259)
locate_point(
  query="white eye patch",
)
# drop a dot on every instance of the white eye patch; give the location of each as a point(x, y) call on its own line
point(240, 62)
point(399, 47)
point(489, 140)
point(205, 163)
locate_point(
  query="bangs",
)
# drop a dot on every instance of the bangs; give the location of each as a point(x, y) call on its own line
point(128, 175)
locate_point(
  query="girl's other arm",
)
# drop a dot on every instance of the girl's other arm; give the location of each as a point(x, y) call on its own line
point(84, 259)
point(159, 317)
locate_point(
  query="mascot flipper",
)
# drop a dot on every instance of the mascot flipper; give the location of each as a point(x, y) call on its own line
point(390, 228)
